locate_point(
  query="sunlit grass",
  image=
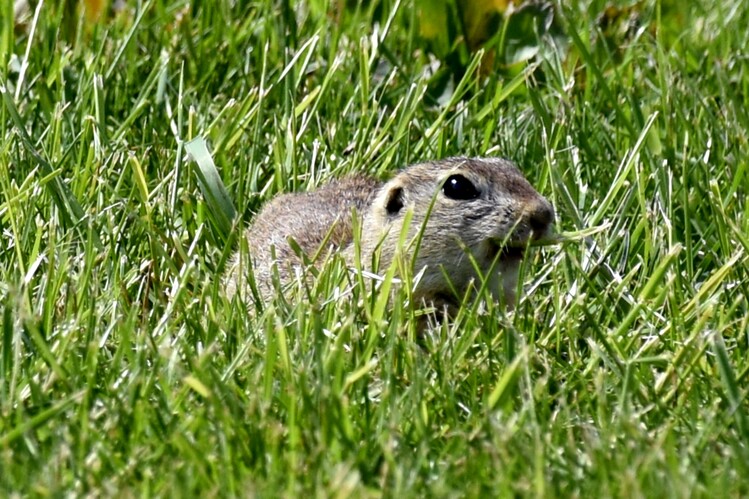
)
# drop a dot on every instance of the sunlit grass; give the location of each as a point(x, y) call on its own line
point(125, 369)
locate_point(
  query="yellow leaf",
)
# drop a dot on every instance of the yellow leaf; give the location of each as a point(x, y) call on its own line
point(94, 9)
point(480, 18)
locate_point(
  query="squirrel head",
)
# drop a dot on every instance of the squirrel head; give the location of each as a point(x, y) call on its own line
point(453, 208)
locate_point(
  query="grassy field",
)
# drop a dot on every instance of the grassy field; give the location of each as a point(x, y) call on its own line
point(125, 370)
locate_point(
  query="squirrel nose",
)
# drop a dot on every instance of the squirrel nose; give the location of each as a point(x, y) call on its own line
point(540, 217)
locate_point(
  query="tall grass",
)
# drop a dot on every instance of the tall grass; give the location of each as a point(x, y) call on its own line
point(125, 369)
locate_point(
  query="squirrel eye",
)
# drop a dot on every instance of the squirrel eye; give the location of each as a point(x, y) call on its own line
point(459, 187)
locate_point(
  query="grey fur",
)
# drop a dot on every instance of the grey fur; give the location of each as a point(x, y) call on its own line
point(509, 212)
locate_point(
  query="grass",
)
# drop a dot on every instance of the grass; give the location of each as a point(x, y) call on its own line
point(125, 370)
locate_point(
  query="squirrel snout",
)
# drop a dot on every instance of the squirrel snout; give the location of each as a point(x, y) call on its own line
point(540, 217)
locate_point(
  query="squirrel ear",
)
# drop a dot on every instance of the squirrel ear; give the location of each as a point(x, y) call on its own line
point(394, 201)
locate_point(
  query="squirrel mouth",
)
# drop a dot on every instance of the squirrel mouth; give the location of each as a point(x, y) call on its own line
point(506, 253)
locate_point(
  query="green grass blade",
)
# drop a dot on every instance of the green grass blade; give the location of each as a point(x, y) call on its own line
point(212, 187)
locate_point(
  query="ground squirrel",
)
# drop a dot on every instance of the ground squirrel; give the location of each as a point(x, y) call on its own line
point(479, 205)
